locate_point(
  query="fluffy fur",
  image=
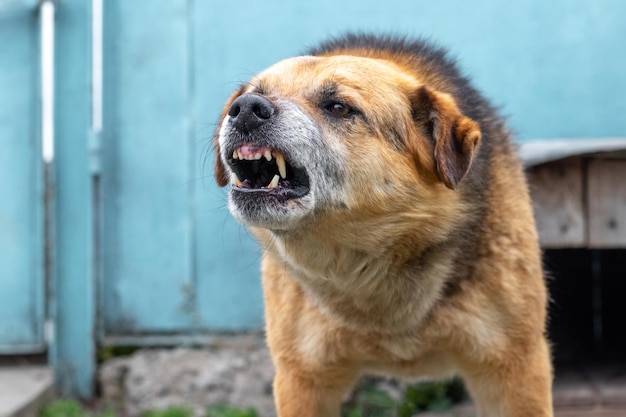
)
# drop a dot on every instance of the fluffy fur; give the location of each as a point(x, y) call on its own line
point(413, 249)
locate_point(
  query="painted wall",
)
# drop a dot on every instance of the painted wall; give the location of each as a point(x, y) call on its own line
point(21, 190)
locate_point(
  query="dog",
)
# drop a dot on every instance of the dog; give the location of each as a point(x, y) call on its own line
point(397, 231)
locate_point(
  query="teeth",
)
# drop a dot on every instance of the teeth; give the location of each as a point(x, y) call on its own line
point(274, 182)
point(235, 180)
point(280, 162)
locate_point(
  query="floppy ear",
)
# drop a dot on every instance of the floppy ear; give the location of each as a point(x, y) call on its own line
point(221, 175)
point(455, 137)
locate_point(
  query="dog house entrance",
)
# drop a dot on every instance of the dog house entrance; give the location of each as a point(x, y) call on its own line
point(587, 325)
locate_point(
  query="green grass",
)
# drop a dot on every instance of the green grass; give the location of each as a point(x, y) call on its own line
point(71, 408)
point(370, 401)
point(169, 412)
point(225, 411)
point(104, 353)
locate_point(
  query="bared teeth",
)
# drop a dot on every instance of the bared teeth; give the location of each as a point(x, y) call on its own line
point(274, 182)
point(244, 154)
point(235, 180)
point(280, 163)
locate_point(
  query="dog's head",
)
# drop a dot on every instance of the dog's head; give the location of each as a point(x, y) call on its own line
point(339, 133)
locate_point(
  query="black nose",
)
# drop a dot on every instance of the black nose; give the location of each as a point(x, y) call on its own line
point(249, 111)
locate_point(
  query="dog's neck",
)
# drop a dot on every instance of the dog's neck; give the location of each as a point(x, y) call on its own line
point(365, 279)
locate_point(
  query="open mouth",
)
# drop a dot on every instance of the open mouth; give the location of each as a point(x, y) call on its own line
point(263, 170)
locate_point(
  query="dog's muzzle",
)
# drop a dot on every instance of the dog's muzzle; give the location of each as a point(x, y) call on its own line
point(256, 166)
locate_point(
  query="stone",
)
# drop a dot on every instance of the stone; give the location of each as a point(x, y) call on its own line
point(235, 371)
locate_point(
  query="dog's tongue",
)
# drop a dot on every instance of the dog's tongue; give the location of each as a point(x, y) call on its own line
point(251, 149)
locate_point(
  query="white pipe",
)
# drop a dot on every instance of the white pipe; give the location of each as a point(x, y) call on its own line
point(46, 14)
point(96, 66)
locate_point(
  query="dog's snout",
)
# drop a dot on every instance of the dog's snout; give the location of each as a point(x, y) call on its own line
point(249, 111)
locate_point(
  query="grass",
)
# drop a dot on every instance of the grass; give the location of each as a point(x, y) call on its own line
point(371, 401)
point(225, 411)
point(72, 408)
point(367, 401)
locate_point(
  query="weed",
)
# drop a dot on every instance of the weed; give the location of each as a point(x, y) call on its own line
point(226, 411)
point(169, 412)
point(370, 401)
point(104, 353)
point(70, 408)
point(62, 408)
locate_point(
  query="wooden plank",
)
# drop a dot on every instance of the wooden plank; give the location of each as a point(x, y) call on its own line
point(557, 193)
point(147, 169)
point(73, 349)
point(21, 182)
point(607, 203)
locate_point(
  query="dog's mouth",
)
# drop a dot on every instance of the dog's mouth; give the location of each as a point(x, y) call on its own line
point(259, 169)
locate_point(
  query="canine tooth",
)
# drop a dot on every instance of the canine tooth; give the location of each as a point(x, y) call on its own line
point(280, 162)
point(268, 155)
point(274, 182)
point(257, 156)
point(235, 180)
point(235, 154)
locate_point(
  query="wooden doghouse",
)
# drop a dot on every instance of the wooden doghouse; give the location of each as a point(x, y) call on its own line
point(579, 196)
point(579, 192)
point(578, 189)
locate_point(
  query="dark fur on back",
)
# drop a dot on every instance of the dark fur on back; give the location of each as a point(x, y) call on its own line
point(438, 69)
point(434, 63)
point(434, 66)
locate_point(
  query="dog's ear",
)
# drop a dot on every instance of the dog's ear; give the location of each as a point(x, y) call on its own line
point(221, 175)
point(455, 137)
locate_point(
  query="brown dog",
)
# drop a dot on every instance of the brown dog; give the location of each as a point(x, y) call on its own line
point(396, 225)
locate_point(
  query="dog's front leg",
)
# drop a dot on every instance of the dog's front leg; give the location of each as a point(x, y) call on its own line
point(299, 393)
point(518, 387)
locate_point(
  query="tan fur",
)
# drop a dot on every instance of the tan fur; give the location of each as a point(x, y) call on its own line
point(416, 275)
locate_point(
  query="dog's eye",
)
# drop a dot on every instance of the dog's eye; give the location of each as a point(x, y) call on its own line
point(338, 109)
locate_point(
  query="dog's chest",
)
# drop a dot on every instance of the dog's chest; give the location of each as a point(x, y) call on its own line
point(403, 354)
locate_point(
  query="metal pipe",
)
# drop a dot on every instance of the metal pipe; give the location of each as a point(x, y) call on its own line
point(46, 16)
